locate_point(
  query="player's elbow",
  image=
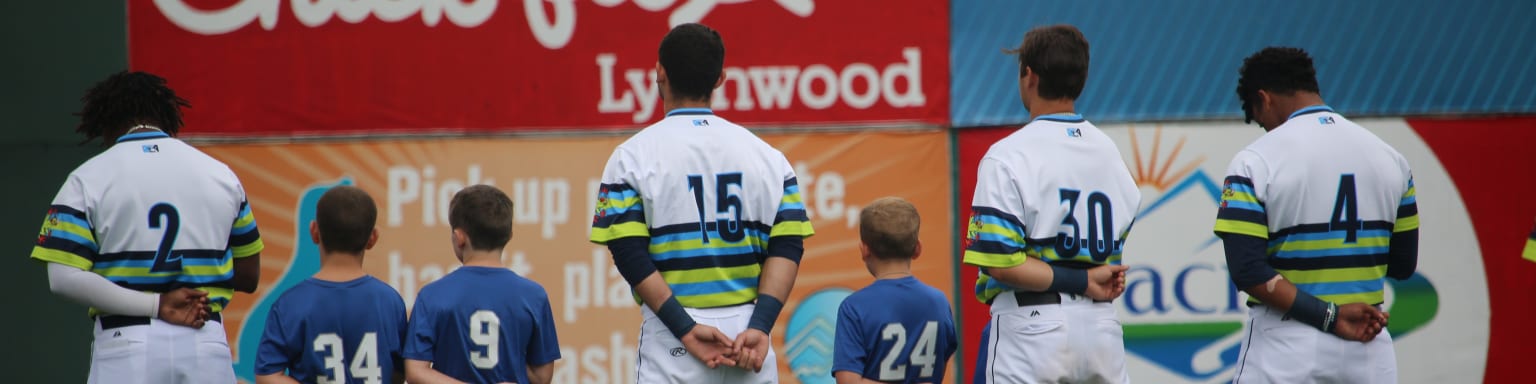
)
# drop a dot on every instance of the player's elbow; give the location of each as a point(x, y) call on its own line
point(542, 373)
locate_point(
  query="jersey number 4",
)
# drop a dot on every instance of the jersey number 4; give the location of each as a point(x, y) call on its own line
point(365, 363)
point(727, 207)
point(1346, 211)
point(922, 354)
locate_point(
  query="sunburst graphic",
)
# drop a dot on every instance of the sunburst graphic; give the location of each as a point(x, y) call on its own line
point(1154, 169)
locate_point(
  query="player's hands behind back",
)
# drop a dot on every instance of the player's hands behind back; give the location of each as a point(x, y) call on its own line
point(709, 345)
point(751, 349)
point(1359, 322)
point(1106, 282)
point(185, 307)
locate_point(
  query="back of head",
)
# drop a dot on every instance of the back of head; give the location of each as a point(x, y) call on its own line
point(346, 216)
point(484, 213)
point(1277, 70)
point(127, 99)
point(889, 226)
point(1059, 55)
point(693, 57)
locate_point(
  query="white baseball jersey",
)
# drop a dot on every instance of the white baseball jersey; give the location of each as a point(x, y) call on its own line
point(152, 214)
point(1328, 195)
point(709, 194)
point(1055, 190)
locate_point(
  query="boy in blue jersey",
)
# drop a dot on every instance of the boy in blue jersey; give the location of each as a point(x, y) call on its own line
point(341, 325)
point(897, 329)
point(482, 323)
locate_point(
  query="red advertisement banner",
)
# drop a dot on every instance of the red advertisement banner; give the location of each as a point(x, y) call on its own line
point(275, 67)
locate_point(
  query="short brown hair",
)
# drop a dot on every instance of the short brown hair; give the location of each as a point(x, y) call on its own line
point(888, 226)
point(485, 215)
point(346, 216)
point(1059, 55)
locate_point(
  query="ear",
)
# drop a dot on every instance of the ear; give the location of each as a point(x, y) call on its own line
point(460, 239)
point(661, 74)
point(314, 231)
point(373, 238)
point(864, 252)
point(720, 81)
point(1030, 78)
point(917, 250)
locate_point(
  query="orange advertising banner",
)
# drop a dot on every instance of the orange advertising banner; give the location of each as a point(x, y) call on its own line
point(553, 182)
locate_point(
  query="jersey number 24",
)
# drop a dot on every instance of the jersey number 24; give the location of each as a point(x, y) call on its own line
point(922, 354)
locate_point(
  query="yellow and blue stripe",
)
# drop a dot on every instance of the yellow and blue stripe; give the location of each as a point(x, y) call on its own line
point(67, 238)
point(1241, 211)
point(1407, 210)
point(791, 219)
point(244, 237)
point(619, 214)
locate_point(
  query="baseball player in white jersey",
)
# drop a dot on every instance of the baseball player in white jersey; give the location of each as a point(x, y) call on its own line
point(1314, 215)
point(1053, 205)
point(705, 222)
point(154, 236)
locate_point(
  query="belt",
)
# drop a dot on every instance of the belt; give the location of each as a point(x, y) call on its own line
point(115, 321)
point(1041, 298)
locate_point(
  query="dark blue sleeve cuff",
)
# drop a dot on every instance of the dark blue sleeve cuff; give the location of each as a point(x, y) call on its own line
point(789, 247)
point(1403, 254)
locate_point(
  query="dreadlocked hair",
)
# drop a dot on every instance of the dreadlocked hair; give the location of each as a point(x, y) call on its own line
point(126, 99)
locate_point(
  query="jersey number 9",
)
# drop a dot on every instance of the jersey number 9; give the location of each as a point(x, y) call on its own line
point(485, 331)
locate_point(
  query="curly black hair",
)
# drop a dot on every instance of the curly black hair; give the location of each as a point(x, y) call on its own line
point(127, 99)
point(1282, 70)
point(693, 56)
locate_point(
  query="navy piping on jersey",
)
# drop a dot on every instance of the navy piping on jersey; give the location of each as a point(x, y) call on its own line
point(1311, 110)
point(690, 111)
point(1062, 118)
point(142, 136)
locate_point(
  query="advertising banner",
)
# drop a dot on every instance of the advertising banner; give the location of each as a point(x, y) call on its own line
point(1182, 316)
point(553, 183)
point(275, 67)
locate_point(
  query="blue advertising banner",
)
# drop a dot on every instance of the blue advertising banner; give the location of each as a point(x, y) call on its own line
point(1178, 60)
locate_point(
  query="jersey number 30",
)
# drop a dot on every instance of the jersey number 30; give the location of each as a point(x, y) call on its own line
point(1101, 227)
point(922, 354)
point(365, 363)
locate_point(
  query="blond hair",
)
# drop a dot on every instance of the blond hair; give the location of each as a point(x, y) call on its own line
point(889, 226)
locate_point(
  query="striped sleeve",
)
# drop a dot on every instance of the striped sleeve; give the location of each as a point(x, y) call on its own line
point(1407, 211)
point(1242, 210)
point(244, 237)
point(791, 219)
point(995, 237)
point(67, 238)
point(619, 212)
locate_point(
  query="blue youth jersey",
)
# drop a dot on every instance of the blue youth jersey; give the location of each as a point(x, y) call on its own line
point(896, 330)
point(483, 325)
point(338, 332)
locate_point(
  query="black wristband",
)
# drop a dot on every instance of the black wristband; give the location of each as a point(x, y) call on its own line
point(765, 313)
point(1068, 280)
point(1312, 311)
point(675, 317)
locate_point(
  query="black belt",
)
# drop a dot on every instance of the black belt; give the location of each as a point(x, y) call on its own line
point(1040, 298)
point(115, 321)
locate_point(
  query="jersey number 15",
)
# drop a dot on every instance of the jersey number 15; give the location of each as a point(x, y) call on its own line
point(727, 207)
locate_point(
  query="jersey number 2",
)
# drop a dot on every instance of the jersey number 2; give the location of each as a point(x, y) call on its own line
point(1346, 211)
point(727, 206)
point(165, 258)
point(365, 363)
point(922, 354)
